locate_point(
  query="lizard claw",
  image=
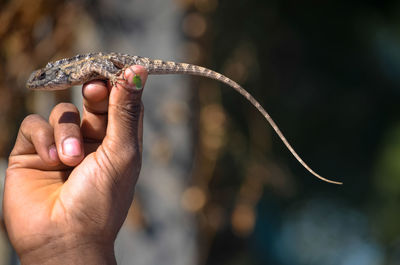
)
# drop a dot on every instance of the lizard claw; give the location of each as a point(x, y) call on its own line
point(120, 81)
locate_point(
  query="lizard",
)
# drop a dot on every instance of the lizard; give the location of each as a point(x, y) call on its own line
point(82, 68)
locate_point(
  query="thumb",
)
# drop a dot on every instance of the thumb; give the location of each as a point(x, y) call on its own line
point(123, 141)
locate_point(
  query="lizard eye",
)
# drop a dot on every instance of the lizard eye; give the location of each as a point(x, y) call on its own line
point(42, 76)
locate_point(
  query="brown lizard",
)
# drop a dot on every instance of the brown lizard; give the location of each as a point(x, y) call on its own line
point(77, 70)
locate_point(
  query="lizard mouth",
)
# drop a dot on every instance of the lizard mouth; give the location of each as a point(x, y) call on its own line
point(39, 80)
point(44, 79)
point(35, 78)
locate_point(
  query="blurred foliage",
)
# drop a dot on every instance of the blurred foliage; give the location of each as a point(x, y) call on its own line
point(328, 74)
point(30, 33)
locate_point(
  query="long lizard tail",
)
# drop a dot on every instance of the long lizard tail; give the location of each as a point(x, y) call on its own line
point(165, 67)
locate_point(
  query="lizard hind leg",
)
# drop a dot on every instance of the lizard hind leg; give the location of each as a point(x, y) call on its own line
point(120, 79)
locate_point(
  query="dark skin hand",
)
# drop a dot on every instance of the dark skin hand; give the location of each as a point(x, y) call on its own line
point(70, 183)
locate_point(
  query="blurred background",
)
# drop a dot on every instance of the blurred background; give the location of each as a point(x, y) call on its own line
point(217, 185)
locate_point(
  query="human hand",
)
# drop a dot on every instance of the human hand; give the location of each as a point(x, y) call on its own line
point(70, 183)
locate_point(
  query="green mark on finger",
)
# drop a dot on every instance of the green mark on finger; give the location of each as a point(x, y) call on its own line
point(138, 82)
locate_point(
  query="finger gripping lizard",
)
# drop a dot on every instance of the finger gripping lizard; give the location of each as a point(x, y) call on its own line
point(79, 69)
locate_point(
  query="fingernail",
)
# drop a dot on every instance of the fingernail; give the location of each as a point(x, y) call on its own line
point(53, 153)
point(134, 79)
point(71, 147)
point(137, 81)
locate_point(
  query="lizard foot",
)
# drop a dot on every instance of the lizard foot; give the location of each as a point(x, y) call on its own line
point(119, 81)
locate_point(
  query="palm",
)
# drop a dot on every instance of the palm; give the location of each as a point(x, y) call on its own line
point(63, 199)
point(54, 193)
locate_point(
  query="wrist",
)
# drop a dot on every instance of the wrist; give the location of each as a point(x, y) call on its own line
point(70, 252)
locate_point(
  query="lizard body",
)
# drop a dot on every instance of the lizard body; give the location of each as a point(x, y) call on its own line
point(79, 69)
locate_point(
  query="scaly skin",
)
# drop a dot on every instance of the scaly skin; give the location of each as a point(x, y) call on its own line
point(79, 69)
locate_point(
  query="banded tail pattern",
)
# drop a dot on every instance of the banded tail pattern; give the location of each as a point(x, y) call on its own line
point(167, 67)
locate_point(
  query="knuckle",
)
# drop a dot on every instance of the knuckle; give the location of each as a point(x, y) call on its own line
point(64, 113)
point(64, 106)
point(41, 133)
point(132, 111)
point(30, 119)
point(128, 114)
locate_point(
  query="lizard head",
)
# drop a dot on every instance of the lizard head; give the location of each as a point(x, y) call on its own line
point(50, 77)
